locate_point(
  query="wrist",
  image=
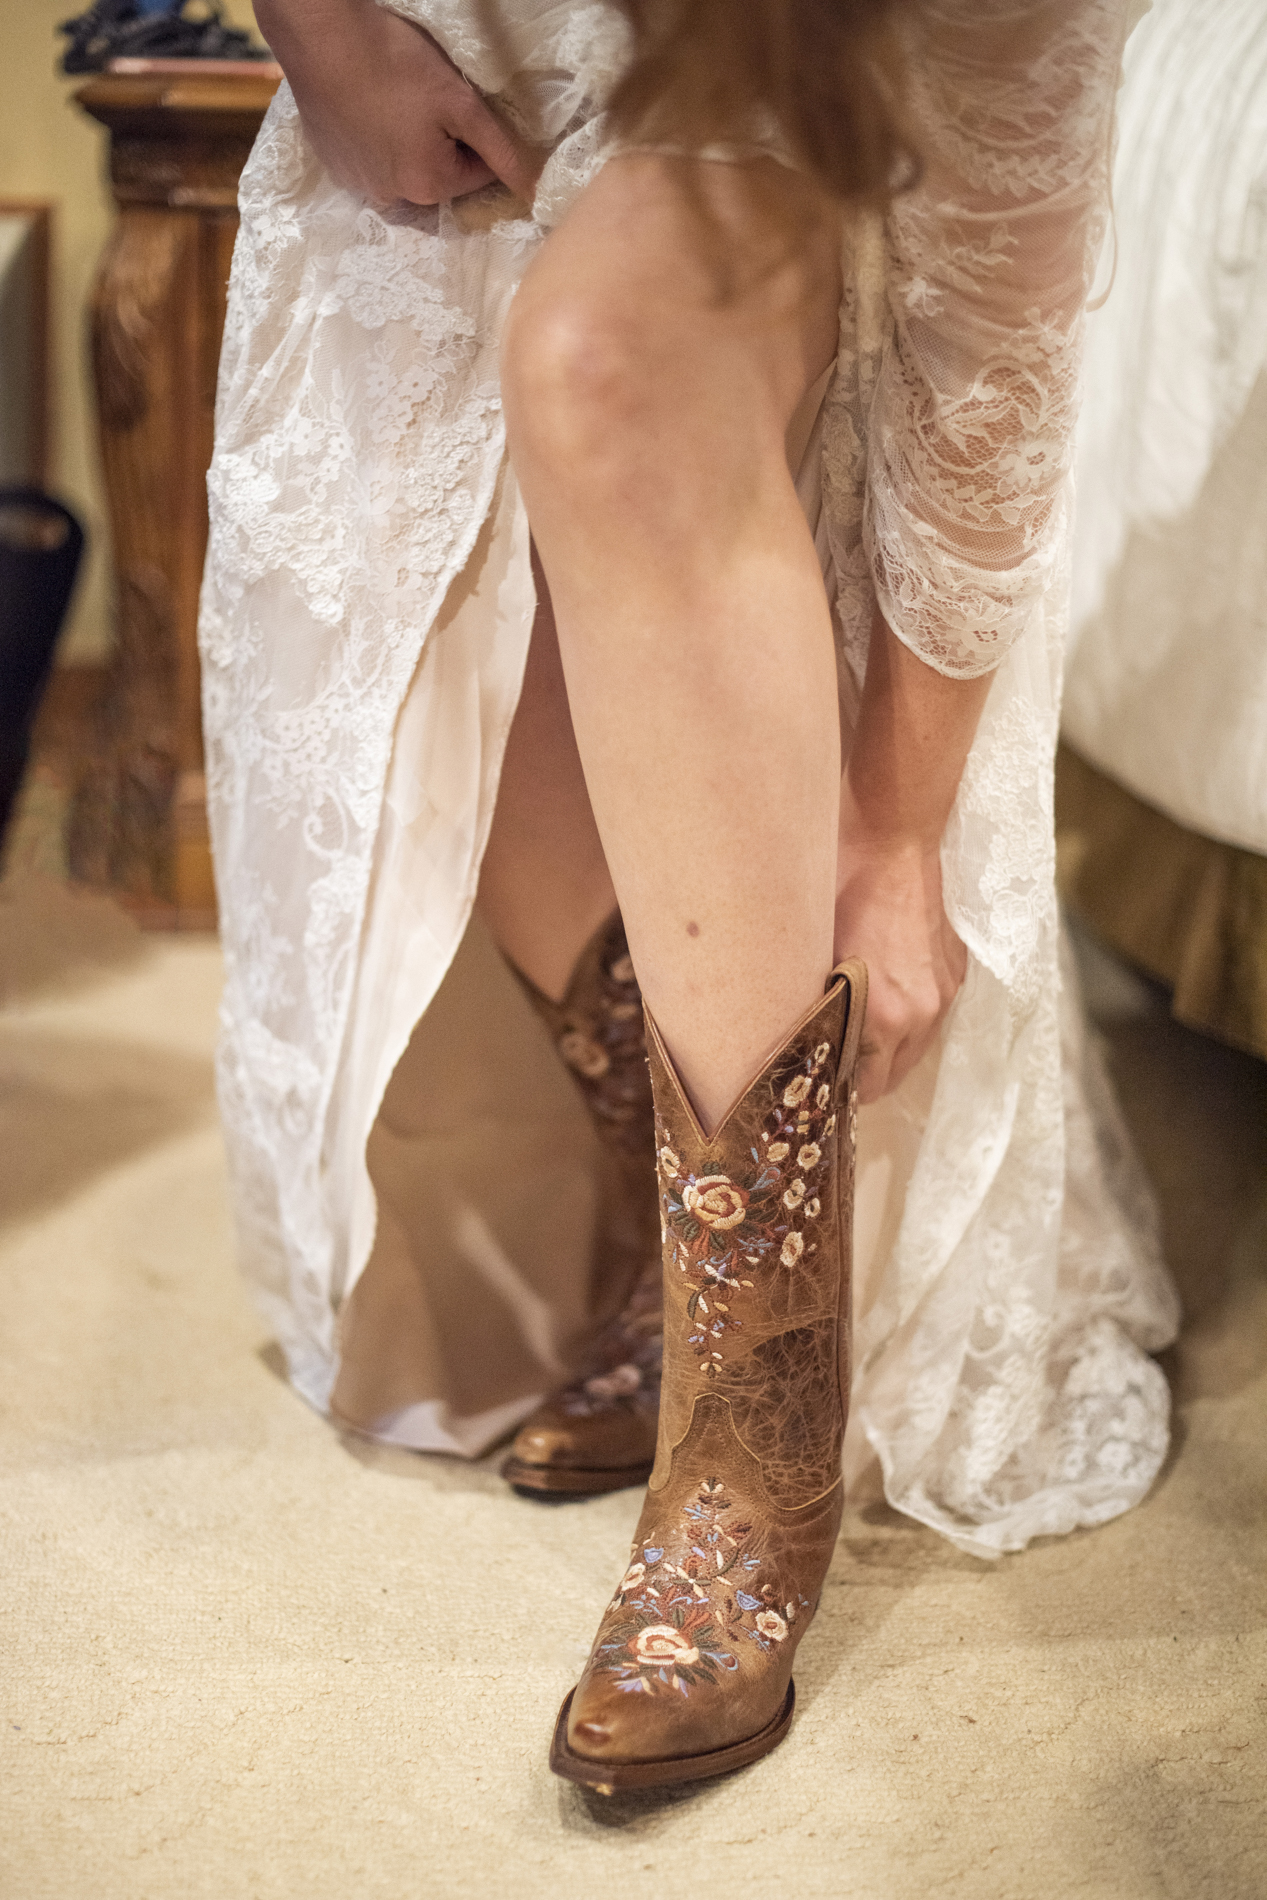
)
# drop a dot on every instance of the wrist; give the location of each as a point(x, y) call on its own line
point(875, 820)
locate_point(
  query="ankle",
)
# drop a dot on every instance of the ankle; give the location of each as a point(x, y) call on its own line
point(717, 1055)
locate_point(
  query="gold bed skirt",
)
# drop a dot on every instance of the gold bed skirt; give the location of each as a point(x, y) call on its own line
point(1184, 908)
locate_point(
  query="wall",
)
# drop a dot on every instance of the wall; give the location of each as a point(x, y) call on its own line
point(48, 149)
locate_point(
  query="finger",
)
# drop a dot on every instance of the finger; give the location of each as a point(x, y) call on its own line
point(905, 1057)
point(444, 169)
point(910, 1052)
point(516, 163)
point(461, 170)
point(871, 1075)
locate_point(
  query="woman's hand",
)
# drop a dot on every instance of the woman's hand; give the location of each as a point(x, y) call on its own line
point(889, 912)
point(387, 112)
point(914, 733)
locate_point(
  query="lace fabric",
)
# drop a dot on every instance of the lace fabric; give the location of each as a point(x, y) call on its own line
point(987, 265)
point(355, 721)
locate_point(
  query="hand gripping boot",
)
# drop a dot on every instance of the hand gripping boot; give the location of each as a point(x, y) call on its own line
point(599, 1434)
point(691, 1671)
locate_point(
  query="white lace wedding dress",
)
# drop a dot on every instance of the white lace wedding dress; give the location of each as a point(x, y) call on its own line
point(367, 607)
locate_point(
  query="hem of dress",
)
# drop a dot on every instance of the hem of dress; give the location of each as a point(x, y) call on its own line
point(431, 1425)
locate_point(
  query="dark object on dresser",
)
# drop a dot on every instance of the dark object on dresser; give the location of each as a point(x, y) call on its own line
point(122, 29)
point(40, 546)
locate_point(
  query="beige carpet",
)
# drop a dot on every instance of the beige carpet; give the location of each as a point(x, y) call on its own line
point(242, 1658)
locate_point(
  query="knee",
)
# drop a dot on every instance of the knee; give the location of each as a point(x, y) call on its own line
point(579, 377)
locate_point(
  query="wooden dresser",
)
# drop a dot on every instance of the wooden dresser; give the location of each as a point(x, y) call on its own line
point(180, 133)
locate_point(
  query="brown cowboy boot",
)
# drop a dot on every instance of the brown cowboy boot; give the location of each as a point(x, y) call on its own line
point(599, 1434)
point(691, 1670)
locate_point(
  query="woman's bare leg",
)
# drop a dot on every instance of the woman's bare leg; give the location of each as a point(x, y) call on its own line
point(544, 883)
point(651, 365)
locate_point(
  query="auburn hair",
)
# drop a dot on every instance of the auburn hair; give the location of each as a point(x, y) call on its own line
point(829, 74)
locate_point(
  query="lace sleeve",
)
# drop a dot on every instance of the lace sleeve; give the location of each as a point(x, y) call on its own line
point(988, 269)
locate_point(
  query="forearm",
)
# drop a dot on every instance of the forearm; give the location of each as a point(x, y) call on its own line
point(914, 732)
point(291, 25)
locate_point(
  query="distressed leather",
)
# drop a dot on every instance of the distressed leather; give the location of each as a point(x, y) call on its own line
point(695, 1651)
point(606, 1422)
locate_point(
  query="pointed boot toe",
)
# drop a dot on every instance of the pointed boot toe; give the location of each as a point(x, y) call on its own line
point(590, 1737)
point(580, 1444)
point(603, 1755)
point(614, 1730)
point(548, 1442)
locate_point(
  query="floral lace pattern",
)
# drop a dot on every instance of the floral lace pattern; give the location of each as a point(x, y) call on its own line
point(1001, 1374)
point(680, 1613)
point(988, 266)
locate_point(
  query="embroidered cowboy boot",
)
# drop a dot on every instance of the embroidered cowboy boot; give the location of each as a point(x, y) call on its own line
point(599, 1434)
point(691, 1670)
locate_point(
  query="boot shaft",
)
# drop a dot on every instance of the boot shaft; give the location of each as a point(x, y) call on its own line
point(597, 1030)
point(757, 1231)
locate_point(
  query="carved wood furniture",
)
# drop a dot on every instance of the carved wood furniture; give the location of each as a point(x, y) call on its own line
point(180, 133)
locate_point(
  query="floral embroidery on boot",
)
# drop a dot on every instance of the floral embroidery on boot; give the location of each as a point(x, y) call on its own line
point(720, 1232)
point(680, 1614)
point(598, 1433)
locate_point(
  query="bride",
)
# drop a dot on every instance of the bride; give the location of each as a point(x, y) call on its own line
point(640, 514)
